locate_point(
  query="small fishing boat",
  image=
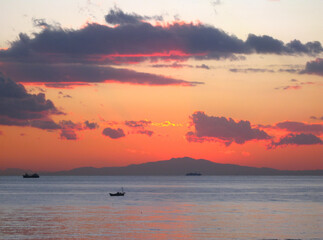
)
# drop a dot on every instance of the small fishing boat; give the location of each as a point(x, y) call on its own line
point(122, 193)
point(26, 175)
point(193, 174)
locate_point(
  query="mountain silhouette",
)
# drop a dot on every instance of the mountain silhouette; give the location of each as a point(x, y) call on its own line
point(175, 167)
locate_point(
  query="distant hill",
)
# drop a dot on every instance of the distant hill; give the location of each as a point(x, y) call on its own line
point(173, 167)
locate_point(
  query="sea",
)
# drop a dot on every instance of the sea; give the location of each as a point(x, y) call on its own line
point(163, 207)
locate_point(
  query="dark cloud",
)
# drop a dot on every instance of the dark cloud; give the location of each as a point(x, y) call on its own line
point(69, 128)
point(68, 134)
point(113, 133)
point(204, 66)
point(268, 44)
point(138, 124)
point(297, 139)
point(117, 16)
point(209, 128)
point(141, 125)
point(70, 124)
point(296, 46)
point(59, 57)
point(314, 67)
point(300, 127)
point(17, 107)
point(265, 44)
point(247, 70)
point(13, 122)
point(132, 37)
point(145, 132)
point(45, 124)
point(68, 74)
point(90, 125)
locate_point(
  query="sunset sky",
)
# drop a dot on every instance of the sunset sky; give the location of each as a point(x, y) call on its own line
point(112, 83)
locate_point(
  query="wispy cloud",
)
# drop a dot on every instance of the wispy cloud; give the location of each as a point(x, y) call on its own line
point(54, 75)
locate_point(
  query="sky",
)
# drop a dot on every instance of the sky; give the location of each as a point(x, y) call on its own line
point(112, 83)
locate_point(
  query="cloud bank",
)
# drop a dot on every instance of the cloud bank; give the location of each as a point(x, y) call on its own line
point(130, 35)
point(85, 55)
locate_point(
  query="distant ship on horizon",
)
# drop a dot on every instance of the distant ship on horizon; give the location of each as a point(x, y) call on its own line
point(26, 175)
point(193, 174)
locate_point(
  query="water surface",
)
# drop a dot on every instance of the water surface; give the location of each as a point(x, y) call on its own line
point(195, 207)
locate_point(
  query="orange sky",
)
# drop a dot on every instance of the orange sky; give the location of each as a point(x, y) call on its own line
point(141, 108)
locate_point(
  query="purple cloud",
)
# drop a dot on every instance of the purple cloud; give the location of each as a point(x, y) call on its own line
point(90, 125)
point(113, 133)
point(131, 36)
point(210, 128)
point(45, 124)
point(136, 124)
point(19, 108)
point(69, 128)
point(301, 127)
point(68, 134)
point(268, 44)
point(70, 74)
point(297, 139)
point(62, 57)
point(314, 67)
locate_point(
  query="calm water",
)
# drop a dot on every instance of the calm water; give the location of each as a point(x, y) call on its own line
point(183, 207)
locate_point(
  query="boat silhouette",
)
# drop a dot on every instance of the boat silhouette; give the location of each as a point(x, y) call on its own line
point(122, 193)
point(26, 175)
point(193, 174)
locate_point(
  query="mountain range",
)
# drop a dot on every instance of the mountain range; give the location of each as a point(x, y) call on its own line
point(172, 167)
